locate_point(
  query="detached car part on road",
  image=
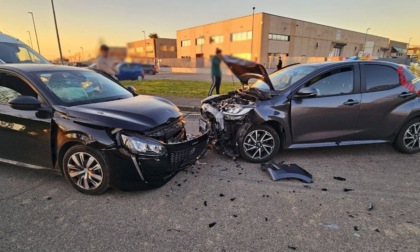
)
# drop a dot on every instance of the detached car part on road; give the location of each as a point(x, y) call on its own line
point(91, 128)
point(312, 105)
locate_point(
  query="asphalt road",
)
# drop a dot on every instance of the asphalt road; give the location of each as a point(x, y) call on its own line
point(249, 212)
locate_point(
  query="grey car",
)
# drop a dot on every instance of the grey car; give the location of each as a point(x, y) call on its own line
point(313, 105)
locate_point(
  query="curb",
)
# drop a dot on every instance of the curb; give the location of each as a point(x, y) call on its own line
point(189, 108)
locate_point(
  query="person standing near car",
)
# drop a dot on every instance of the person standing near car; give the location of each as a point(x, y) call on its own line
point(103, 62)
point(280, 64)
point(216, 72)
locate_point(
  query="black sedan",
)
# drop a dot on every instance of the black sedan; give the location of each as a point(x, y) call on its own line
point(91, 128)
point(313, 105)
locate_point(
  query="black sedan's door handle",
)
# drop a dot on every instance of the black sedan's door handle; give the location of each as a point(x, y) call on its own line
point(351, 102)
point(405, 94)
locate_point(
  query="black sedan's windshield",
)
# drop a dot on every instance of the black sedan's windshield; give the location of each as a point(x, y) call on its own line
point(285, 78)
point(74, 87)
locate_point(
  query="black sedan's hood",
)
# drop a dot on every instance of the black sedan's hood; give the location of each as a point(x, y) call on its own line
point(138, 113)
point(246, 70)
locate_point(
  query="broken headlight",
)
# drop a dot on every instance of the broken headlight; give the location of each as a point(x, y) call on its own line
point(139, 145)
point(236, 112)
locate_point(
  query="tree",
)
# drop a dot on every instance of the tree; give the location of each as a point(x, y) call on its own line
point(153, 35)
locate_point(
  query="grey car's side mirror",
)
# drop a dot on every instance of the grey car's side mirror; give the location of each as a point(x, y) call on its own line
point(25, 103)
point(306, 92)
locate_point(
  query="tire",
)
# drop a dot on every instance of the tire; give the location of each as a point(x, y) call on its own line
point(140, 78)
point(91, 167)
point(259, 138)
point(408, 140)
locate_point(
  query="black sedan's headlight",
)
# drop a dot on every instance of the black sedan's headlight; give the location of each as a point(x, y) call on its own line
point(140, 145)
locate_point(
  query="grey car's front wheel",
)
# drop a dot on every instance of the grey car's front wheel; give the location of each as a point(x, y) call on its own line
point(408, 140)
point(85, 168)
point(260, 144)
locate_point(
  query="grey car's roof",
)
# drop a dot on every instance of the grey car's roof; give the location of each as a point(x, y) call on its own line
point(4, 38)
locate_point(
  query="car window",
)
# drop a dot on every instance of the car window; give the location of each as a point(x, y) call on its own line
point(75, 87)
point(380, 78)
point(19, 53)
point(336, 82)
point(285, 77)
point(12, 87)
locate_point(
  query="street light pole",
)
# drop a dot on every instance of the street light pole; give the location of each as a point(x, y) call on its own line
point(252, 38)
point(36, 34)
point(30, 38)
point(145, 49)
point(364, 46)
point(408, 45)
point(56, 30)
point(83, 55)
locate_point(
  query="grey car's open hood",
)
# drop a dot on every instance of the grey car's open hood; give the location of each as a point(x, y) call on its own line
point(246, 70)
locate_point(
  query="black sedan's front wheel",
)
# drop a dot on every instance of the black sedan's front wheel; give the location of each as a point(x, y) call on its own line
point(408, 140)
point(85, 168)
point(260, 144)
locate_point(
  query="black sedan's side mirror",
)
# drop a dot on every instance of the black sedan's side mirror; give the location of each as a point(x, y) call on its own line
point(25, 103)
point(132, 90)
point(306, 92)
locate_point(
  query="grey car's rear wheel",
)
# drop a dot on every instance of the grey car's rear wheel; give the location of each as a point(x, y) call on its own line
point(408, 140)
point(85, 168)
point(260, 144)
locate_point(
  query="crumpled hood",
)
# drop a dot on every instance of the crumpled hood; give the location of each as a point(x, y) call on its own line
point(246, 70)
point(139, 113)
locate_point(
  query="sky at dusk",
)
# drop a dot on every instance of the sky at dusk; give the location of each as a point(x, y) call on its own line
point(83, 23)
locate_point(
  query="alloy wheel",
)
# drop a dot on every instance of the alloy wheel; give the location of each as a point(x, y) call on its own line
point(85, 171)
point(258, 144)
point(412, 137)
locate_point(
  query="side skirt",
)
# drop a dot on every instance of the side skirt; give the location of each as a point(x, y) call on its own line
point(332, 144)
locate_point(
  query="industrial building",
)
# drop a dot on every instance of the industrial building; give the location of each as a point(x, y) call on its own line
point(150, 49)
point(263, 37)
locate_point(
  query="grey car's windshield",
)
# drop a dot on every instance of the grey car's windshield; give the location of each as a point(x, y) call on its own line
point(74, 87)
point(19, 53)
point(286, 77)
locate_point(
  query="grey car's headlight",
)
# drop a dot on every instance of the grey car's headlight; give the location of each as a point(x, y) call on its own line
point(236, 113)
point(140, 145)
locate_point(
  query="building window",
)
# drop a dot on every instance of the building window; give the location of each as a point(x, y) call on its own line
point(240, 36)
point(246, 56)
point(279, 37)
point(199, 41)
point(216, 39)
point(167, 48)
point(185, 43)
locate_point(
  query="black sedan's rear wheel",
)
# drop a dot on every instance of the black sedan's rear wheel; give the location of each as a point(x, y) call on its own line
point(260, 144)
point(85, 168)
point(408, 140)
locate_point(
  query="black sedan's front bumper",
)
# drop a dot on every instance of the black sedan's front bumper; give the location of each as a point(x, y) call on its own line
point(135, 172)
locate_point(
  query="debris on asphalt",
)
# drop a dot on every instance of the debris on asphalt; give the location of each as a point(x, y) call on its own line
point(176, 230)
point(291, 247)
point(324, 189)
point(232, 199)
point(200, 163)
point(377, 230)
point(49, 198)
point(205, 203)
point(235, 215)
point(357, 235)
point(266, 196)
point(347, 190)
point(287, 171)
point(221, 195)
point(212, 224)
point(356, 228)
point(332, 226)
point(370, 207)
point(307, 186)
point(266, 219)
point(339, 178)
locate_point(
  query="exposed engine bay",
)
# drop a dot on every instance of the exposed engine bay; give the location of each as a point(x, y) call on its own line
point(226, 116)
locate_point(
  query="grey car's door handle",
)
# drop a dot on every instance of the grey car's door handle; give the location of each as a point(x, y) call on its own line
point(405, 94)
point(351, 102)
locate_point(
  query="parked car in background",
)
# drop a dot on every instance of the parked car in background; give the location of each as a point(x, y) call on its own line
point(12, 50)
point(150, 69)
point(129, 71)
point(314, 105)
point(91, 129)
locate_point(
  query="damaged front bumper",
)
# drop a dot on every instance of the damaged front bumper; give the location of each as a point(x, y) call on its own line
point(137, 171)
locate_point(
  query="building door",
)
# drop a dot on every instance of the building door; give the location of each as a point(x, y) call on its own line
point(200, 60)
